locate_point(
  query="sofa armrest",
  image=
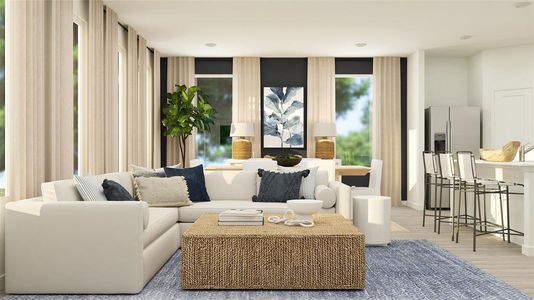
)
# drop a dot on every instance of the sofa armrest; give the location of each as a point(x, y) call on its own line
point(74, 246)
point(344, 201)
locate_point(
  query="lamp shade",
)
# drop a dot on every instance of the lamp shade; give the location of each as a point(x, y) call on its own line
point(324, 129)
point(242, 129)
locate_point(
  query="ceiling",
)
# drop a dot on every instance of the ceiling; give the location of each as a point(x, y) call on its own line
point(325, 28)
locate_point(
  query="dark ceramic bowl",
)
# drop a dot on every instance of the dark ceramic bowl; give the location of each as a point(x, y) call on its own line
point(285, 161)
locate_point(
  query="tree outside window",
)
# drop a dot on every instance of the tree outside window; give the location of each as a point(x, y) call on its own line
point(353, 119)
point(215, 146)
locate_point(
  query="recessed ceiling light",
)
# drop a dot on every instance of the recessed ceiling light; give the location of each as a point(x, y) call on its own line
point(210, 44)
point(466, 37)
point(360, 45)
point(522, 4)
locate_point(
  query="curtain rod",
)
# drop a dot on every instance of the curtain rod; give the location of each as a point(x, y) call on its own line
point(126, 29)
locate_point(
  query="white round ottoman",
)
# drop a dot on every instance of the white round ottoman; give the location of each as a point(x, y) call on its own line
point(372, 216)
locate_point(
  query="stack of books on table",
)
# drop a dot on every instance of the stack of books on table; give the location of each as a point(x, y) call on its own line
point(241, 217)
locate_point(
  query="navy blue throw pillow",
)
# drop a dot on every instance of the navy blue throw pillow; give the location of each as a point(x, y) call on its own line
point(115, 192)
point(279, 187)
point(194, 178)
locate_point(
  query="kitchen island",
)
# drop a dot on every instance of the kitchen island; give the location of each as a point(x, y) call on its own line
point(521, 207)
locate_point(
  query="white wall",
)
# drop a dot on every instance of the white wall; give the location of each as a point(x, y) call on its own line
point(475, 80)
point(494, 71)
point(446, 80)
point(416, 128)
point(481, 78)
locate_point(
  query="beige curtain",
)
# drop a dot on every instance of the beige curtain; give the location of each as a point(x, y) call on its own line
point(39, 109)
point(130, 136)
point(142, 106)
point(386, 124)
point(99, 108)
point(111, 92)
point(321, 96)
point(180, 70)
point(246, 91)
point(156, 112)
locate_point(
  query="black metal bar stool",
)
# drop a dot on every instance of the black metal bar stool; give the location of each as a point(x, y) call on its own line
point(448, 180)
point(508, 230)
point(431, 173)
point(469, 182)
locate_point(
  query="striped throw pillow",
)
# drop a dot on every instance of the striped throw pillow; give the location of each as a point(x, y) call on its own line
point(90, 188)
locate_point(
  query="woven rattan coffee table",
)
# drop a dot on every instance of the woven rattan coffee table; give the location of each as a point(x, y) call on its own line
point(330, 255)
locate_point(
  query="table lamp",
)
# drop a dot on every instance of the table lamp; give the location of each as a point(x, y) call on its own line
point(241, 147)
point(324, 147)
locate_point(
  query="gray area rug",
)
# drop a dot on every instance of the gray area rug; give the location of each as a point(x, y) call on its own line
point(406, 269)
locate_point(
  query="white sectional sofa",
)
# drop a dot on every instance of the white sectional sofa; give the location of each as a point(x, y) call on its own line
point(58, 243)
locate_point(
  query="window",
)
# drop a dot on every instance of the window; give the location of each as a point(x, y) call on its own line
point(75, 94)
point(216, 146)
point(2, 101)
point(353, 119)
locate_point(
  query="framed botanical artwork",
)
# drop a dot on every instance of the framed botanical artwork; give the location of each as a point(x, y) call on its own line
point(283, 117)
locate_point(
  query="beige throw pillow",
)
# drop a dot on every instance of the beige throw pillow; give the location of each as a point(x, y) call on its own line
point(162, 191)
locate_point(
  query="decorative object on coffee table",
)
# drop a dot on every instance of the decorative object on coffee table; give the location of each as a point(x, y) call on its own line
point(505, 154)
point(241, 147)
point(288, 160)
point(331, 255)
point(304, 208)
point(324, 147)
point(300, 213)
point(241, 217)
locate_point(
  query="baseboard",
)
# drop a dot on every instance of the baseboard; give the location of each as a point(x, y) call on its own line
point(414, 205)
point(527, 250)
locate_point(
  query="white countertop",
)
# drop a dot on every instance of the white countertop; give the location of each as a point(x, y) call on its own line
point(512, 164)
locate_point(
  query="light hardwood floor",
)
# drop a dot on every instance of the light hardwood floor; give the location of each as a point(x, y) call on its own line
point(494, 256)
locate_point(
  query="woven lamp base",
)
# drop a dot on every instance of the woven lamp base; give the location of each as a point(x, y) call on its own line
point(324, 149)
point(242, 149)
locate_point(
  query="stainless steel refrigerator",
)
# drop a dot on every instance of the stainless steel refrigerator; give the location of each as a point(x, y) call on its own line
point(452, 129)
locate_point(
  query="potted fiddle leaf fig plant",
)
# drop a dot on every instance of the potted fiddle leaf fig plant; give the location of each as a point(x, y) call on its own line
point(182, 115)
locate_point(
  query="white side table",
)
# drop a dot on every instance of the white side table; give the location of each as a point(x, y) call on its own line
point(372, 216)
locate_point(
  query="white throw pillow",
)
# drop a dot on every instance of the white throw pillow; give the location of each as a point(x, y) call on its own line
point(162, 191)
point(326, 194)
point(90, 188)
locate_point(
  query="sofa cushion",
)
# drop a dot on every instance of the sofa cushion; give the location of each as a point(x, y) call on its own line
point(307, 187)
point(160, 220)
point(90, 188)
point(189, 214)
point(325, 194)
point(162, 192)
point(138, 171)
point(231, 185)
point(279, 187)
point(196, 182)
point(321, 178)
point(114, 191)
point(65, 190)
